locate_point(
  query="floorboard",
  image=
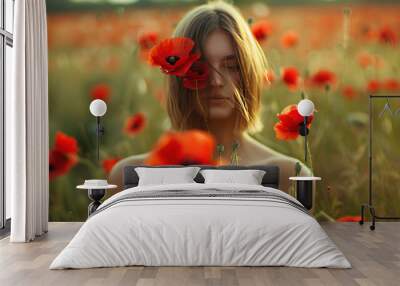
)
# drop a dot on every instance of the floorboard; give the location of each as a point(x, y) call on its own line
point(374, 255)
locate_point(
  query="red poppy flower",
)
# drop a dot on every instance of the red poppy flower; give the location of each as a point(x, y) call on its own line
point(60, 163)
point(323, 78)
point(261, 30)
point(65, 144)
point(173, 56)
point(289, 39)
point(387, 36)
point(183, 148)
point(147, 40)
point(168, 150)
point(349, 219)
point(366, 59)
point(197, 76)
point(366, 32)
point(100, 91)
point(391, 84)
point(290, 77)
point(373, 85)
point(63, 156)
point(135, 124)
point(349, 92)
point(289, 123)
point(108, 164)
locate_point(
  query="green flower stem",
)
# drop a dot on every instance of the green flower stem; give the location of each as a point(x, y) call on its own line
point(297, 169)
point(234, 157)
point(346, 23)
point(94, 169)
point(325, 215)
point(293, 189)
point(220, 150)
point(309, 156)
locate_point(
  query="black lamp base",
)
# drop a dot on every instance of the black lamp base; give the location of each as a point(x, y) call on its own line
point(304, 193)
point(95, 195)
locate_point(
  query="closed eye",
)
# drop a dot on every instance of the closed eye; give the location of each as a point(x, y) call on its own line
point(233, 68)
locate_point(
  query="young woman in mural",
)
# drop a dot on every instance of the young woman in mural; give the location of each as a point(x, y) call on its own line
point(228, 107)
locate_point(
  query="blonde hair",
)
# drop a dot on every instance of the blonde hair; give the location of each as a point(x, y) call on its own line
point(197, 24)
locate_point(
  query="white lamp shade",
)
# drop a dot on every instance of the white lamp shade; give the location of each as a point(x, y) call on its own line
point(98, 107)
point(305, 107)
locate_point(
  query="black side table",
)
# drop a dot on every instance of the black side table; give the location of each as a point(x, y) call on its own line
point(304, 190)
point(96, 191)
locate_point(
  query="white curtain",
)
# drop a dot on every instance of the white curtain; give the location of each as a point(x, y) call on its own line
point(27, 124)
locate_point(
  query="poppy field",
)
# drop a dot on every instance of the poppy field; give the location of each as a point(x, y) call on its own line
point(335, 55)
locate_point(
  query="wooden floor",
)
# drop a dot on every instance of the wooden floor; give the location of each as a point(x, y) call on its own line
point(375, 256)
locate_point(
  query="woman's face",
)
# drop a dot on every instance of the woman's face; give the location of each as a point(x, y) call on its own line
point(218, 98)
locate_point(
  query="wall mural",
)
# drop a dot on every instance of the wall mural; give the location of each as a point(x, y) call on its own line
point(333, 54)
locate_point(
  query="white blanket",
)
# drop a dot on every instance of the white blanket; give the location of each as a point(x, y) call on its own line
point(191, 230)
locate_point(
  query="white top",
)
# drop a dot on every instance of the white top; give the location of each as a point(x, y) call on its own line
point(305, 178)
point(89, 187)
point(96, 184)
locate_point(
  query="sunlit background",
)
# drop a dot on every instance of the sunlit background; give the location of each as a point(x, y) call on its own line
point(337, 52)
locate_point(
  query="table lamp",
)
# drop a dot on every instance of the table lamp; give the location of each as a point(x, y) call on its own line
point(304, 188)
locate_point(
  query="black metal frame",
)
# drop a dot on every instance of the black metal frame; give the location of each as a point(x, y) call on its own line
point(370, 203)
